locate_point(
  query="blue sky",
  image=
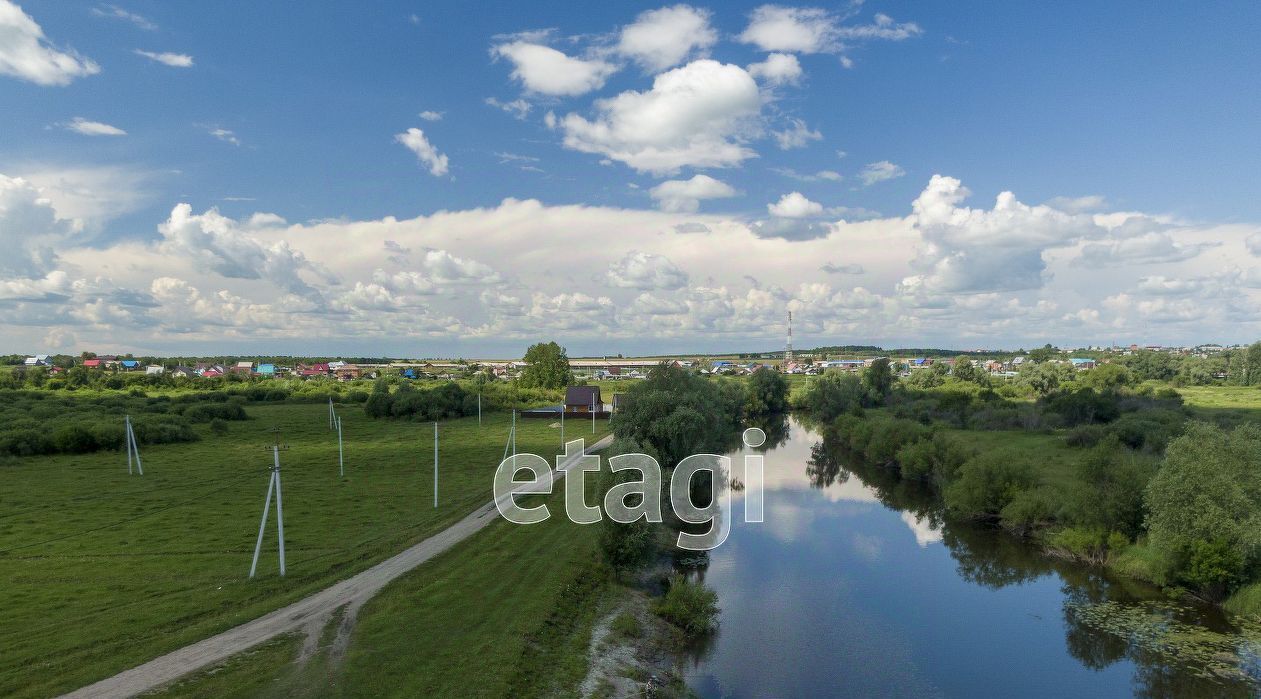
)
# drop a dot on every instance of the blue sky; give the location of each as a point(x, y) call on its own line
point(1130, 124)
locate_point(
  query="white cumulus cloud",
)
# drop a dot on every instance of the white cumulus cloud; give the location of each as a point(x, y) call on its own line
point(663, 38)
point(777, 69)
point(27, 55)
point(696, 115)
point(686, 195)
point(644, 270)
point(546, 71)
point(795, 205)
point(795, 29)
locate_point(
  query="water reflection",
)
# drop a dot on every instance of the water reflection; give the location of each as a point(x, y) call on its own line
point(832, 597)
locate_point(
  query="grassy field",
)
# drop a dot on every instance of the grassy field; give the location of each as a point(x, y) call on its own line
point(1232, 404)
point(1055, 459)
point(507, 613)
point(102, 571)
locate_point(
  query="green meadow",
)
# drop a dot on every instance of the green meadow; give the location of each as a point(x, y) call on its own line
point(506, 613)
point(103, 571)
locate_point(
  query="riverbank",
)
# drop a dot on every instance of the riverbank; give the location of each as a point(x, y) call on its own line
point(1035, 486)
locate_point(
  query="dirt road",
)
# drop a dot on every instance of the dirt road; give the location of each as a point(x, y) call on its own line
point(306, 614)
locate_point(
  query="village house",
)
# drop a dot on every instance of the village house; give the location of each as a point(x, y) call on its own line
point(347, 372)
point(583, 399)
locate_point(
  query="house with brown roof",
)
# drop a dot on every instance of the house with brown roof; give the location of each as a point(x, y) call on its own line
point(583, 399)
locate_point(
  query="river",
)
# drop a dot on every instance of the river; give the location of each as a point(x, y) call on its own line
point(853, 586)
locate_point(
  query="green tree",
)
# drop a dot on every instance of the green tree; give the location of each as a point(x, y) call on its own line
point(1044, 353)
point(1106, 377)
point(767, 391)
point(1207, 494)
point(1111, 483)
point(547, 367)
point(1152, 366)
point(878, 380)
point(834, 394)
point(1252, 365)
point(1046, 377)
point(966, 370)
point(677, 413)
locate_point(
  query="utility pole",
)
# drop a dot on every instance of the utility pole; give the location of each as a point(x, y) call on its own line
point(562, 425)
point(593, 413)
point(435, 465)
point(514, 434)
point(341, 453)
point(332, 414)
point(132, 446)
point(272, 484)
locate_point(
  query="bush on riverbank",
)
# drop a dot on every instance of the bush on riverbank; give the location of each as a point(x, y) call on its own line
point(1198, 513)
point(690, 606)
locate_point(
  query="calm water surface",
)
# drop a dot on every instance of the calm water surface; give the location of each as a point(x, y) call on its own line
point(853, 587)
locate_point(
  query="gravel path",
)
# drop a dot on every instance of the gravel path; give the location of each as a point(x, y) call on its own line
point(305, 613)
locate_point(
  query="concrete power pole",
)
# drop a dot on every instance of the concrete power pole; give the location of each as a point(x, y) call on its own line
point(273, 484)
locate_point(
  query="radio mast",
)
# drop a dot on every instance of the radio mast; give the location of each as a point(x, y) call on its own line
point(788, 350)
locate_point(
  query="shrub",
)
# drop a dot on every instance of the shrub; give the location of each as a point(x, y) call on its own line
point(987, 483)
point(1092, 544)
point(833, 395)
point(1213, 567)
point(915, 460)
point(1084, 406)
point(1150, 430)
point(626, 625)
point(853, 432)
point(937, 458)
point(356, 396)
point(206, 412)
point(888, 436)
point(446, 400)
point(626, 546)
point(1083, 436)
point(218, 426)
point(1028, 510)
point(25, 442)
point(690, 606)
point(73, 439)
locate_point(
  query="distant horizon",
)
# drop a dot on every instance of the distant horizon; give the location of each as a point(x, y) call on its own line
point(645, 355)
